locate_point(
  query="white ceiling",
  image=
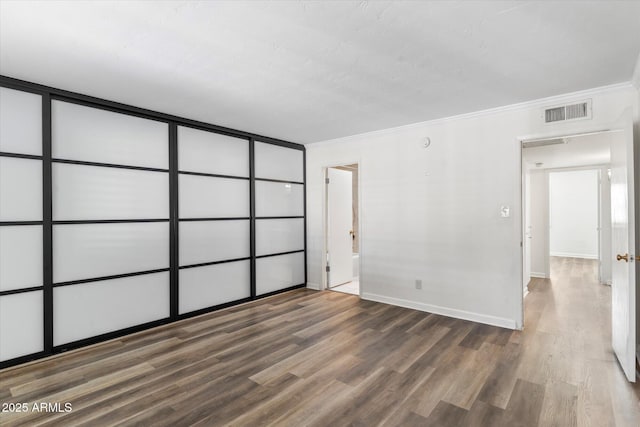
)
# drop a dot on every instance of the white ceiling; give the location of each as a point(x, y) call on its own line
point(310, 71)
point(587, 150)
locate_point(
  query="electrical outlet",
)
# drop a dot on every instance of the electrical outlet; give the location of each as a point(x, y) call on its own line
point(418, 284)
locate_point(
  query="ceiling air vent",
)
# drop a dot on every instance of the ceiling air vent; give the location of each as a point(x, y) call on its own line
point(569, 112)
point(554, 114)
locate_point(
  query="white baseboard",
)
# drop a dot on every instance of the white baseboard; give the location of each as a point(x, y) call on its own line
point(538, 275)
point(574, 255)
point(444, 311)
point(314, 286)
point(525, 292)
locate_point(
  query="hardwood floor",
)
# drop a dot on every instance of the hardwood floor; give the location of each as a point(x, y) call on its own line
point(327, 358)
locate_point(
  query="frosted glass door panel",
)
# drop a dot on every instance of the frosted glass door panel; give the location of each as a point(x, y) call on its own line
point(209, 152)
point(279, 235)
point(20, 257)
point(20, 122)
point(279, 272)
point(208, 197)
point(211, 285)
point(20, 189)
point(209, 241)
point(90, 192)
point(279, 199)
point(275, 162)
point(21, 321)
point(90, 309)
point(82, 251)
point(94, 135)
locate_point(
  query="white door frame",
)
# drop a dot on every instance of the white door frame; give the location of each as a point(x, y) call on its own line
point(325, 222)
point(587, 130)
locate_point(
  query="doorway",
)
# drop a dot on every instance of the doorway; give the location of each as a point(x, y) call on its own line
point(573, 272)
point(342, 230)
point(566, 198)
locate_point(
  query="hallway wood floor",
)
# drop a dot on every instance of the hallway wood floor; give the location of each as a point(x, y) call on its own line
point(327, 358)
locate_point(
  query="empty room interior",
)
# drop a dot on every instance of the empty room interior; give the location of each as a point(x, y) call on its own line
point(314, 213)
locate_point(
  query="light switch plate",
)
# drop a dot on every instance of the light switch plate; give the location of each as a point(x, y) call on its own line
point(504, 211)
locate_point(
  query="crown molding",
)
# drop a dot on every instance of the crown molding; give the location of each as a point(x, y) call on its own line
point(556, 99)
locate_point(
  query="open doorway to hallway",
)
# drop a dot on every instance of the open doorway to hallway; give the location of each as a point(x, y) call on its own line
point(342, 231)
point(578, 227)
point(567, 204)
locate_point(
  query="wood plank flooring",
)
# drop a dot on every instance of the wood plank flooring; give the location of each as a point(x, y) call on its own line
point(328, 358)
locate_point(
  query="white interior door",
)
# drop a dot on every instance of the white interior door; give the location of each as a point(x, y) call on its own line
point(623, 287)
point(339, 225)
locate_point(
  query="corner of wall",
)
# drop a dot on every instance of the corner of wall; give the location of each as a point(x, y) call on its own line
point(635, 79)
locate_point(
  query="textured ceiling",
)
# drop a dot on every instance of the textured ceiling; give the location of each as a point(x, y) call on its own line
point(310, 71)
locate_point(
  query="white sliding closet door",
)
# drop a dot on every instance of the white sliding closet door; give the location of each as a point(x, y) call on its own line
point(21, 239)
point(214, 207)
point(280, 234)
point(110, 197)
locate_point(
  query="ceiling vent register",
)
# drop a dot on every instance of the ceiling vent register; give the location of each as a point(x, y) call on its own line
point(569, 112)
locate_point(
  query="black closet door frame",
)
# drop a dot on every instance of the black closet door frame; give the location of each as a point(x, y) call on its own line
point(49, 94)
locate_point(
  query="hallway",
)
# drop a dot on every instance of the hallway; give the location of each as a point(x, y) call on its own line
point(567, 346)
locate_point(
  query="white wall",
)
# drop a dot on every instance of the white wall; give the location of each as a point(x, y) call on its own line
point(434, 214)
point(573, 214)
point(539, 211)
